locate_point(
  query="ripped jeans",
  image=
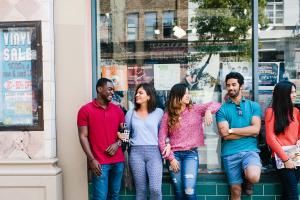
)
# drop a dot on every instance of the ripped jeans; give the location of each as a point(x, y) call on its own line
point(184, 181)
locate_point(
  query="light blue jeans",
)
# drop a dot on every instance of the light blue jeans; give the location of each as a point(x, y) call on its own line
point(184, 181)
point(107, 186)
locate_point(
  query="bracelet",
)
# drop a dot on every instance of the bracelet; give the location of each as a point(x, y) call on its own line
point(167, 141)
point(92, 160)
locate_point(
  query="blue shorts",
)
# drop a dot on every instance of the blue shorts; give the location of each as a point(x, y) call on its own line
point(235, 164)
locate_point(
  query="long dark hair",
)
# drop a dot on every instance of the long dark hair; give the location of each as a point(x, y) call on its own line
point(282, 105)
point(174, 104)
point(150, 91)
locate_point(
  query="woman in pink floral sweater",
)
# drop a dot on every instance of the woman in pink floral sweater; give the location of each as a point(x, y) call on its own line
point(182, 124)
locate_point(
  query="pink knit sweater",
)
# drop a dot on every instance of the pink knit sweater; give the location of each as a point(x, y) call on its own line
point(189, 133)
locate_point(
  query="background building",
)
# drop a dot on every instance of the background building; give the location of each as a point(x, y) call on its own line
point(280, 41)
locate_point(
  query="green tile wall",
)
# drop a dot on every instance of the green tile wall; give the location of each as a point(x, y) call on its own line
point(214, 187)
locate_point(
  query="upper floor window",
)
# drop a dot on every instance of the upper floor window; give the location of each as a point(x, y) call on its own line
point(150, 25)
point(105, 27)
point(132, 26)
point(168, 21)
point(274, 11)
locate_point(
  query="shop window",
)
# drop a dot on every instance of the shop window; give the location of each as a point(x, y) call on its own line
point(132, 26)
point(168, 21)
point(221, 44)
point(275, 11)
point(21, 81)
point(150, 25)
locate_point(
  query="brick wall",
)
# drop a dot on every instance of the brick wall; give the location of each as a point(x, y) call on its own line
point(140, 7)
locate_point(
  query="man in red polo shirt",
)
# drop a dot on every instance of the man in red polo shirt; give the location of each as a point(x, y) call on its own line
point(98, 123)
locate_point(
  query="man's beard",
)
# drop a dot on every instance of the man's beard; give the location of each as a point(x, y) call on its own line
point(106, 99)
point(234, 95)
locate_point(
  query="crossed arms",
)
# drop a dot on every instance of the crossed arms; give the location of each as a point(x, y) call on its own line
point(252, 130)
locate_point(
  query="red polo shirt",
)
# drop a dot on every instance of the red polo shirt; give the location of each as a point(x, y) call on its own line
point(102, 126)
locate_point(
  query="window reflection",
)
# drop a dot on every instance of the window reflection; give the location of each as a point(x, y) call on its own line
point(274, 11)
point(105, 27)
point(171, 41)
point(168, 21)
point(132, 26)
point(279, 55)
point(150, 25)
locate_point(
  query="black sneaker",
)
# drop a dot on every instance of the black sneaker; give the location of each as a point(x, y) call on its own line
point(247, 187)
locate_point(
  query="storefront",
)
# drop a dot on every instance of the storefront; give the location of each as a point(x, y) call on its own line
point(53, 53)
point(198, 43)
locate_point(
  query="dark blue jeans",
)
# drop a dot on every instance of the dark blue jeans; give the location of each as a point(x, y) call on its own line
point(107, 186)
point(289, 179)
point(184, 181)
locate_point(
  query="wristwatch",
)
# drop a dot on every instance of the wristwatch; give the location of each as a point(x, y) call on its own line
point(230, 131)
point(119, 142)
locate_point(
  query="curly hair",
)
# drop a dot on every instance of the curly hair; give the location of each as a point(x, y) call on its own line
point(235, 75)
point(174, 104)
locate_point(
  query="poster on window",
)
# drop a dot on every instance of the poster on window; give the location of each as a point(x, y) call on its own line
point(120, 99)
point(161, 98)
point(244, 68)
point(268, 75)
point(264, 99)
point(18, 98)
point(166, 75)
point(117, 74)
point(297, 83)
point(201, 77)
point(139, 74)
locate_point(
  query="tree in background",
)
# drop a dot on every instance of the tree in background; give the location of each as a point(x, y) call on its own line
point(223, 26)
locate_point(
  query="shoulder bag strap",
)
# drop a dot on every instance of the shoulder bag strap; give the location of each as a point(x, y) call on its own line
point(130, 124)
